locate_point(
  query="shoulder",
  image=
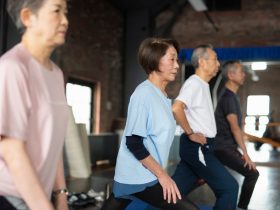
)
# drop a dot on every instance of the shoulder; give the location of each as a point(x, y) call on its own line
point(197, 83)
point(191, 85)
point(228, 95)
point(14, 62)
point(16, 53)
point(143, 90)
point(228, 99)
point(142, 96)
point(193, 81)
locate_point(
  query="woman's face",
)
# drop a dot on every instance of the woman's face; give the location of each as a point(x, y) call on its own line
point(49, 25)
point(168, 65)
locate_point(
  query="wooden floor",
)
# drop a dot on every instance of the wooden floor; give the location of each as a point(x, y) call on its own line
point(266, 195)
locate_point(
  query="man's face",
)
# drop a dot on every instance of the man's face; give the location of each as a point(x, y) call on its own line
point(212, 63)
point(238, 75)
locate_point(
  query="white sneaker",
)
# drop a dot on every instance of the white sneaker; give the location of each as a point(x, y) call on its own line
point(99, 196)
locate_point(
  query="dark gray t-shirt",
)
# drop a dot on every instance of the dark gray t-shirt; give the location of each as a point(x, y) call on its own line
point(228, 104)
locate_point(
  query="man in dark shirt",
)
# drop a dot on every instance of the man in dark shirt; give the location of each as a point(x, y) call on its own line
point(229, 136)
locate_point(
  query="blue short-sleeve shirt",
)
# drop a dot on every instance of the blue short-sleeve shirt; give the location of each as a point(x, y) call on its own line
point(150, 116)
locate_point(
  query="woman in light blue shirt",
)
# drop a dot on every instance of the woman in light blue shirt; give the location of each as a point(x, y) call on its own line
point(149, 131)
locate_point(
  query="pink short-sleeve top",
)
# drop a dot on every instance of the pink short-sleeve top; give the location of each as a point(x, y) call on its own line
point(33, 109)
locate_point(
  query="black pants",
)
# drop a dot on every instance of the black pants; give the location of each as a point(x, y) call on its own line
point(153, 196)
point(232, 158)
point(5, 205)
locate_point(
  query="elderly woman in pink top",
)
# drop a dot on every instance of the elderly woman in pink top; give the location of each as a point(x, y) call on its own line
point(33, 109)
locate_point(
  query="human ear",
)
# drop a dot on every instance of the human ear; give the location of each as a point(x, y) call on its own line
point(201, 61)
point(26, 17)
point(230, 75)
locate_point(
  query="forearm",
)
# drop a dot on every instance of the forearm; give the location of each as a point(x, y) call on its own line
point(238, 136)
point(183, 122)
point(236, 131)
point(169, 187)
point(61, 198)
point(60, 178)
point(180, 116)
point(153, 166)
point(24, 174)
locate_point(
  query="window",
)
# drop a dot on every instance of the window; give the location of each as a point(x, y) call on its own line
point(257, 114)
point(79, 96)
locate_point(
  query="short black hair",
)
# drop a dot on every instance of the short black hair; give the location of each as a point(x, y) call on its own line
point(151, 50)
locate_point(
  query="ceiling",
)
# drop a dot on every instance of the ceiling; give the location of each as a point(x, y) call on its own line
point(210, 5)
point(138, 4)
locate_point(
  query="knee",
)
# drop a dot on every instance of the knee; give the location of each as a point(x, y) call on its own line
point(253, 176)
point(185, 203)
point(256, 174)
point(231, 186)
point(235, 186)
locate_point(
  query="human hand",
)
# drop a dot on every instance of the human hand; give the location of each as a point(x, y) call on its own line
point(248, 162)
point(170, 189)
point(198, 138)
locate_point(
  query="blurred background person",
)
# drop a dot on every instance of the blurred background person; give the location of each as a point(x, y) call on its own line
point(33, 109)
point(229, 138)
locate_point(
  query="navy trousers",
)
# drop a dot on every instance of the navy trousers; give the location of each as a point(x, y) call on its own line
point(190, 168)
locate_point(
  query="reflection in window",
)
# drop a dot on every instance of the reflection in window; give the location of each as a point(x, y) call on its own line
point(257, 114)
point(79, 97)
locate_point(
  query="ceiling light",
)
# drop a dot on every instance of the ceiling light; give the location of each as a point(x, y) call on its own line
point(198, 5)
point(256, 66)
point(255, 78)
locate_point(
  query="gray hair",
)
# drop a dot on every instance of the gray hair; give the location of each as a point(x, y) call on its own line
point(229, 66)
point(15, 6)
point(200, 52)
